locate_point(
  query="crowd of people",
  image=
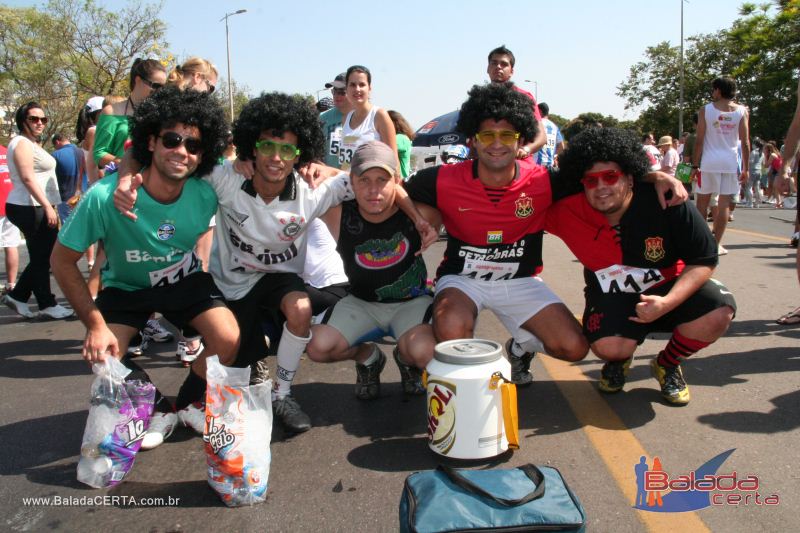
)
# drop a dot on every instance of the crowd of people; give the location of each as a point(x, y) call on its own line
point(309, 241)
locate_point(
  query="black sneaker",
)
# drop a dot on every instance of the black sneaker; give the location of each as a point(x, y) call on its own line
point(520, 366)
point(612, 376)
point(673, 388)
point(368, 378)
point(288, 411)
point(410, 376)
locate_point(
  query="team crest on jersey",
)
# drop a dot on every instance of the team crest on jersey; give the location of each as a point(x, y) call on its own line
point(524, 206)
point(494, 237)
point(291, 227)
point(654, 249)
point(165, 231)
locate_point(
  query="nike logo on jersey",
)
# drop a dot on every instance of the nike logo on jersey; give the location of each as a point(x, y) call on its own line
point(462, 209)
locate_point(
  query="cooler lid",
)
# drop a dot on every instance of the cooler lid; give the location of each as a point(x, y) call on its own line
point(467, 351)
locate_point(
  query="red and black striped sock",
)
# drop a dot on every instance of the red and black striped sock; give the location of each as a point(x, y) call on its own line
point(679, 348)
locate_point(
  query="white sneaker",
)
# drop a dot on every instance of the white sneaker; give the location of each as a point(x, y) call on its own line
point(161, 427)
point(57, 312)
point(135, 350)
point(721, 250)
point(156, 332)
point(194, 416)
point(21, 308)
point(188, 356)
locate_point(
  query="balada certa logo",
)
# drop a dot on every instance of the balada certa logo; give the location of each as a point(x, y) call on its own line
point(661, 491)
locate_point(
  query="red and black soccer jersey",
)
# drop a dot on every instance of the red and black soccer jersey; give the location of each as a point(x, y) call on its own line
point(649, 247)
point(488, 238)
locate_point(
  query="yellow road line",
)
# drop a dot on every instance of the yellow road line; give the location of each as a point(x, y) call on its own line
point(614, 442)
point(757, 234)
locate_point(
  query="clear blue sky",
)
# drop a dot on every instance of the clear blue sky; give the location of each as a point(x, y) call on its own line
point(424, 55)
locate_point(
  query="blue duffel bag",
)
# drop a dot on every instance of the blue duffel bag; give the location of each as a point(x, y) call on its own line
point(527, 498)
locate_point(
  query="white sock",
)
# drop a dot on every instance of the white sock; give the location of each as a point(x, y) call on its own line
point(290, 349)
point(533, 344)
point(373, 355)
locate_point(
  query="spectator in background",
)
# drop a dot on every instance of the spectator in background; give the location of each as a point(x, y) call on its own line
point(146, 76)
point(332, 119)
point(688, 151)
point(196, 73)
point(669, 155)
point(773, 162)
point(752, 189)
point(31, 207)
point(405, 135)
point(9, 233)
point(70, 165)
point(547, 155)
point(500, 70)
point(365, 122)
point(721, 126)
point(653, 154)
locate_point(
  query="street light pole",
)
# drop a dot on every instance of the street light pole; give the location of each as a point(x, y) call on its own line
point(680, 103)
point(228, 47)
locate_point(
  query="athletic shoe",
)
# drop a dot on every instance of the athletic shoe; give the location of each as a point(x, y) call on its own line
point(520, 366)
point(721, 250)
point(160, 428)
point(138, 345)
point(156, 332)
point(795, 239)
point(259, 372)
point(186, 355)
point(410, 376)
point(288, 411)
point(21, 308)
point(673, 388)
point(57, 312)
point(368, 377)
point(194, 416)
point(612, 376)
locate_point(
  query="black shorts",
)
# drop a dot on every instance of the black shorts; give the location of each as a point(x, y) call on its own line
point(607, 315)
point(179, 302)
point(263, 301)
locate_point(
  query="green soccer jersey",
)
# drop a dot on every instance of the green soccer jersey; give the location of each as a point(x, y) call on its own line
point(110, 136)
point(155, 250)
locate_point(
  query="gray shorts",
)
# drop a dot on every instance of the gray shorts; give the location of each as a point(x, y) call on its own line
point(360, 321)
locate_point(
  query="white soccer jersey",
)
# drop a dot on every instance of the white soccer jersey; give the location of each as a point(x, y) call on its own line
point(253, 237)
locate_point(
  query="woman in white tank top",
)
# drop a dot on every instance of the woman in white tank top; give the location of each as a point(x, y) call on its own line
point(365, 122)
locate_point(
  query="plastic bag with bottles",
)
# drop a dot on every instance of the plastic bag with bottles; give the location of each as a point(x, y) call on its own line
point(119, 415)
point(237, 434)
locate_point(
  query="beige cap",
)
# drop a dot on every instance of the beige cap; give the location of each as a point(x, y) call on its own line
point(373, 154)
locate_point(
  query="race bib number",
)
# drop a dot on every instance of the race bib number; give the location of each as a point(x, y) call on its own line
point(336, 141)
point(175, 272)
point(620, 278)
point(489, 270)
point(346, 151)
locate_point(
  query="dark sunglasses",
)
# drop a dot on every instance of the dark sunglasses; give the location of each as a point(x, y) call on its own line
point(609, 177)
point(153, 85)
point(339, 92)
point(172, 140)
point(35, 120)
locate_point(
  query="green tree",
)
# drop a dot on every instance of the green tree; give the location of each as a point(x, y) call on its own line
point(761, 50)
point(69, 50)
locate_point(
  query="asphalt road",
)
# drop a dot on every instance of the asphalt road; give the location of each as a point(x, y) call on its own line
point(347, 472)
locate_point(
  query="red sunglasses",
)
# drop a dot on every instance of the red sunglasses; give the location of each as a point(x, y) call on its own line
point(609, 177)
